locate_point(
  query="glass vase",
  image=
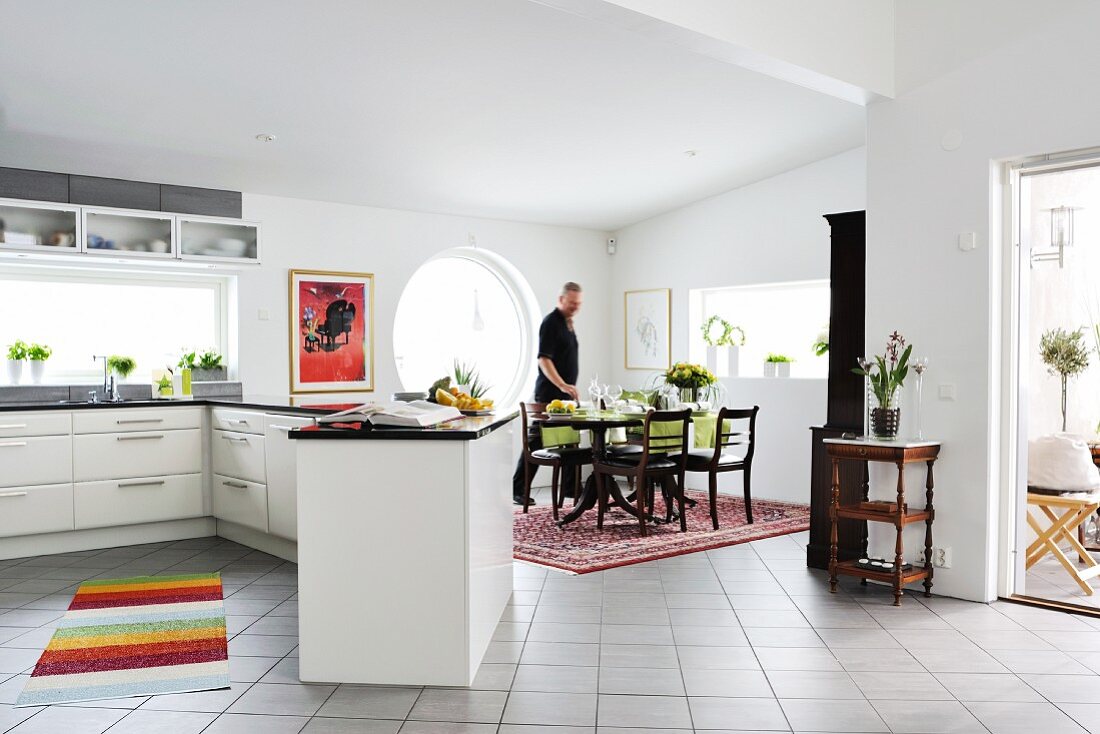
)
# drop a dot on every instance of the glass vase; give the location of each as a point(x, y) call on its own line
point(689, 394)
point(884, 418)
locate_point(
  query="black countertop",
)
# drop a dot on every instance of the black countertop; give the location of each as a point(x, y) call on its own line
point(280, 403)
point(469, 428)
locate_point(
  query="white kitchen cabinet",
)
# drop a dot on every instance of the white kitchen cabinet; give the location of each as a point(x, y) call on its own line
point(35, 424)
point(214, 239)
point(36, 509)
point(244, 503)
point(136, 454)
point(31, 460)
point(238, 455)
point(43, 227)
point(125, 420)
point(242, 421)
point(137, 234)
point(282, 474)
point(137, 500)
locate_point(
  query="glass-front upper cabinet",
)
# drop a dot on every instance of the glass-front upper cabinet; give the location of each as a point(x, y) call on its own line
point(227, 240)
point(39, 227)
point(140, 234)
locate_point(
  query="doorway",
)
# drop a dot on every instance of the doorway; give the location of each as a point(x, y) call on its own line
point(1053, 385)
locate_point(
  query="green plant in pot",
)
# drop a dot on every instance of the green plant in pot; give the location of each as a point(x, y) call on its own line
point(777, 365)
point(17, 354)
point(468, 379)
point(209, 367)
point(38, 354)
point(121, 366)
point(885, 375)
point(1065, 355)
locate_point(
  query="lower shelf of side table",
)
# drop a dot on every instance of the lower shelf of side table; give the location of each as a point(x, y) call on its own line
point(849, 568)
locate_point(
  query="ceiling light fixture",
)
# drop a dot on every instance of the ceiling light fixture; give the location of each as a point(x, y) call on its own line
point(691, 153)
point(265, 138)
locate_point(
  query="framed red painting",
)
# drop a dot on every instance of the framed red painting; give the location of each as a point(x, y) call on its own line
point(331, 331)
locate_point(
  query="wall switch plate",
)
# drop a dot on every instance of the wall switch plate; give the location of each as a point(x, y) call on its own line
point(947, 392)
point(968, 241)
point(263, 314)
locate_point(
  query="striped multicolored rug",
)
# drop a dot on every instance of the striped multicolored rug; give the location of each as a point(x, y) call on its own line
point(135, 637)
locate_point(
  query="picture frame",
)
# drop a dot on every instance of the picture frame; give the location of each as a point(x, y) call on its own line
point(647, 329)
point(331, 319)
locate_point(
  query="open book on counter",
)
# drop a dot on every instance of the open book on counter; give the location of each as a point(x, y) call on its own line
point(417, 414)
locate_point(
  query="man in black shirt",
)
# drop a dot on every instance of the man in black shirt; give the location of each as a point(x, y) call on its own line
point(557, 378)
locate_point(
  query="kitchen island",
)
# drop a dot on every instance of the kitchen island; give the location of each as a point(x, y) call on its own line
point(404, 550)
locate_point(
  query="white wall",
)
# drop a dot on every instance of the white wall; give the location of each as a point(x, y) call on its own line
point(1027, 97)
point(771, 231)
point(304, 234)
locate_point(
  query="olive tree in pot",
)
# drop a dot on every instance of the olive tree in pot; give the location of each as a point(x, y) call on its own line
point(38, 354)
point(17, 354)
point(1065, 355)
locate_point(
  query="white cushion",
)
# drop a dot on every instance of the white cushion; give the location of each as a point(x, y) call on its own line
point(1061, 462)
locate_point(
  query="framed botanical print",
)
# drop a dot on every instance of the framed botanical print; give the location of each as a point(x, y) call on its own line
point(331, 331)
point(648, 326)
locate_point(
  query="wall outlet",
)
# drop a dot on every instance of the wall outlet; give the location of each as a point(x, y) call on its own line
point(941, 558)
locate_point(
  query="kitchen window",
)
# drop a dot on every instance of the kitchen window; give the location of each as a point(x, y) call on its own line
point(84, 312)
point(473, 306)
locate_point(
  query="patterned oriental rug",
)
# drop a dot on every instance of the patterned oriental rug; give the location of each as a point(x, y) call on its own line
point(581, 548)
point(135, 637)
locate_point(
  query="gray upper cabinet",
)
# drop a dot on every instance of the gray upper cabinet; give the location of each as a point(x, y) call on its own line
point(18, 183)
point(205, 202)
point(114, 192)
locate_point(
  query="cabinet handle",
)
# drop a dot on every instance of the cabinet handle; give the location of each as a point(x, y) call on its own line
point(238, 439)
point(284, 429)
point(127, 421)
point(140, 438)
point(235, 485)
point(144, 483)
point(7, 426)
point(238, 421)
point(13, 494)
point(12, 444)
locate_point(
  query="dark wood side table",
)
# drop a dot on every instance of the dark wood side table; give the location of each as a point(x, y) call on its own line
point(899, 453)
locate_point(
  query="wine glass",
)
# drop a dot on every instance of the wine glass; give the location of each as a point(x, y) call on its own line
point(614, 392)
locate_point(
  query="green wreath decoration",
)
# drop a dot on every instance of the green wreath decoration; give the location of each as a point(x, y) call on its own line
point(726, 339)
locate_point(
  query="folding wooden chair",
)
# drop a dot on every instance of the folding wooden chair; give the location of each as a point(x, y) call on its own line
point(1064, 511)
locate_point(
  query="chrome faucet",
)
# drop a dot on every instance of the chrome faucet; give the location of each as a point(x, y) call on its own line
point(110, 386)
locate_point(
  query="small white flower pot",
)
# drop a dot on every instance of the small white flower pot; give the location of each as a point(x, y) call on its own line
point(733, 359)
point(784, 369)
point(15, 371)
point(770, 369)
point(38, 369)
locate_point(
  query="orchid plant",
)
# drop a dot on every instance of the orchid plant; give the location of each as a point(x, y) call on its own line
point(887, 373)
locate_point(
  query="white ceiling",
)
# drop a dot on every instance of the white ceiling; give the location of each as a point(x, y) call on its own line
point(498, 108)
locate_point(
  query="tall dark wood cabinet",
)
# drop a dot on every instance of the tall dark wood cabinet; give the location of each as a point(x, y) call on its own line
point(847, 318)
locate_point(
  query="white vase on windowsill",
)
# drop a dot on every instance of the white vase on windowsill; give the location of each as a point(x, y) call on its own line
point(733, 360)
point(38, 369)
point(15, 371)
point(712, 359)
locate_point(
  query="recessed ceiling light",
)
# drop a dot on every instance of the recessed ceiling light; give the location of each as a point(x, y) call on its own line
point(691, 153)
point(265, 138)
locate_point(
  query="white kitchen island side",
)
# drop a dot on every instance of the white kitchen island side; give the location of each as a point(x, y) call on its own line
point(404, 550)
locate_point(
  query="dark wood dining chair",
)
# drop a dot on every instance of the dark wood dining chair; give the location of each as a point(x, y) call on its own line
point(732, 451)
point(568, 457)
point(663, 457)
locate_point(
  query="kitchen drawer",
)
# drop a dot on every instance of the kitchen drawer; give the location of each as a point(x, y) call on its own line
point(121, 420)
point(126, 455)
point(30, 510)
point(241, 421)
point(238, 455)
point(244, 503)
point(36, 460)
point(282, 475)
point(35, 424)
point(141, 499)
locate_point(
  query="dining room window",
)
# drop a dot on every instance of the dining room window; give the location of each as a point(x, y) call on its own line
point(467, 306)
point(78, 313)
point(784, 319)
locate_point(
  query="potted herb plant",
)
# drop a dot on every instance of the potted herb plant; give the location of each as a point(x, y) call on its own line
point(468, 380)
point(1065, 355)
point(121, 366)
point(17, 353)
point(777, 365)
point(38, 354)
point(690, 379)
point(885, 375)
point(209, 368)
